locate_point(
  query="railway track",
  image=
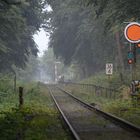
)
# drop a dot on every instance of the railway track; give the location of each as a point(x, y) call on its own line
point(89, 123)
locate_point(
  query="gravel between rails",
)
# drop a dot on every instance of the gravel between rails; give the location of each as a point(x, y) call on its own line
point(88, 124)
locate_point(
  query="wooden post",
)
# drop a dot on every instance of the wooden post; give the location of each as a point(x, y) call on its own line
point(15, 84)
point(21, 100)
point(109, 80)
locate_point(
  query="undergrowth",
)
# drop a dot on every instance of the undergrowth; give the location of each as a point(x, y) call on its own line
point(123, 109)
point(122, 106)
point(31, 123)
point(114, 81)
point(36, 120)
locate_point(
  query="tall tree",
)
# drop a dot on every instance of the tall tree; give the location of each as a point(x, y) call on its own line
point(19, 21)
point(77, 36)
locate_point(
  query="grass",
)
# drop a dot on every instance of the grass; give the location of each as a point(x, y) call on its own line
point(88, 94)
point(122, 106)
point(114, 81)
point(36, 120)
point(31, 123)
point(124, 109)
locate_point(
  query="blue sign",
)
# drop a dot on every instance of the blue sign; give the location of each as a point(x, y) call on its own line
point(130, 55)
point(138, 50)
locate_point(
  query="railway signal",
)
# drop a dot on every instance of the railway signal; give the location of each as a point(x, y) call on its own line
point(130, 57)
point(138, 45)
point(132, 35)
point(132, 32)
point(130, 61)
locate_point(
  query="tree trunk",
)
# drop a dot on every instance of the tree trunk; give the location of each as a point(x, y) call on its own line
point(120, 55)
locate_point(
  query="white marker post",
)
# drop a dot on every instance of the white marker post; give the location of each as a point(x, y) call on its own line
point(109, 70)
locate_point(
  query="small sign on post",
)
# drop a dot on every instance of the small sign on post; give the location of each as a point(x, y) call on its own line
point(109, 69)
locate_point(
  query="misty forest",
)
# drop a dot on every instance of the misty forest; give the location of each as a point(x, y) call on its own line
point(84, 84)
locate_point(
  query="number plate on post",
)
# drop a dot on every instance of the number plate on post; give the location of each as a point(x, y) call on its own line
point(109, 68)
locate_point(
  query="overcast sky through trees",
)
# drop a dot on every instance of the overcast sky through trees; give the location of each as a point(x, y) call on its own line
point(42, 39)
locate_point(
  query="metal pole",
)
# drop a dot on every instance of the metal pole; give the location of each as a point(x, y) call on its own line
point(134, 65)
point(131, 66)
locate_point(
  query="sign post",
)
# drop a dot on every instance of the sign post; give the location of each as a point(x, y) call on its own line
point(109, 71)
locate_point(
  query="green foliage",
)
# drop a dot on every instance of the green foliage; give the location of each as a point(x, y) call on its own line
point(32, 122)
point(112, 11)
point(89, 33)
point(78, 37)
point(18, 24)
point(31, 72)
point(98, 79)
point(123, 109)
point(122, 106)
point(37, 119)
point(6, 83)
point(116, 81)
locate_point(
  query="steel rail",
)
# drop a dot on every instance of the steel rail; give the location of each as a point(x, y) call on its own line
point(72, 130)
point(80, 84)
point(118, 121)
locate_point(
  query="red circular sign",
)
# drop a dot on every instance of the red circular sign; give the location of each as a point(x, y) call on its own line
point(132, 32)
